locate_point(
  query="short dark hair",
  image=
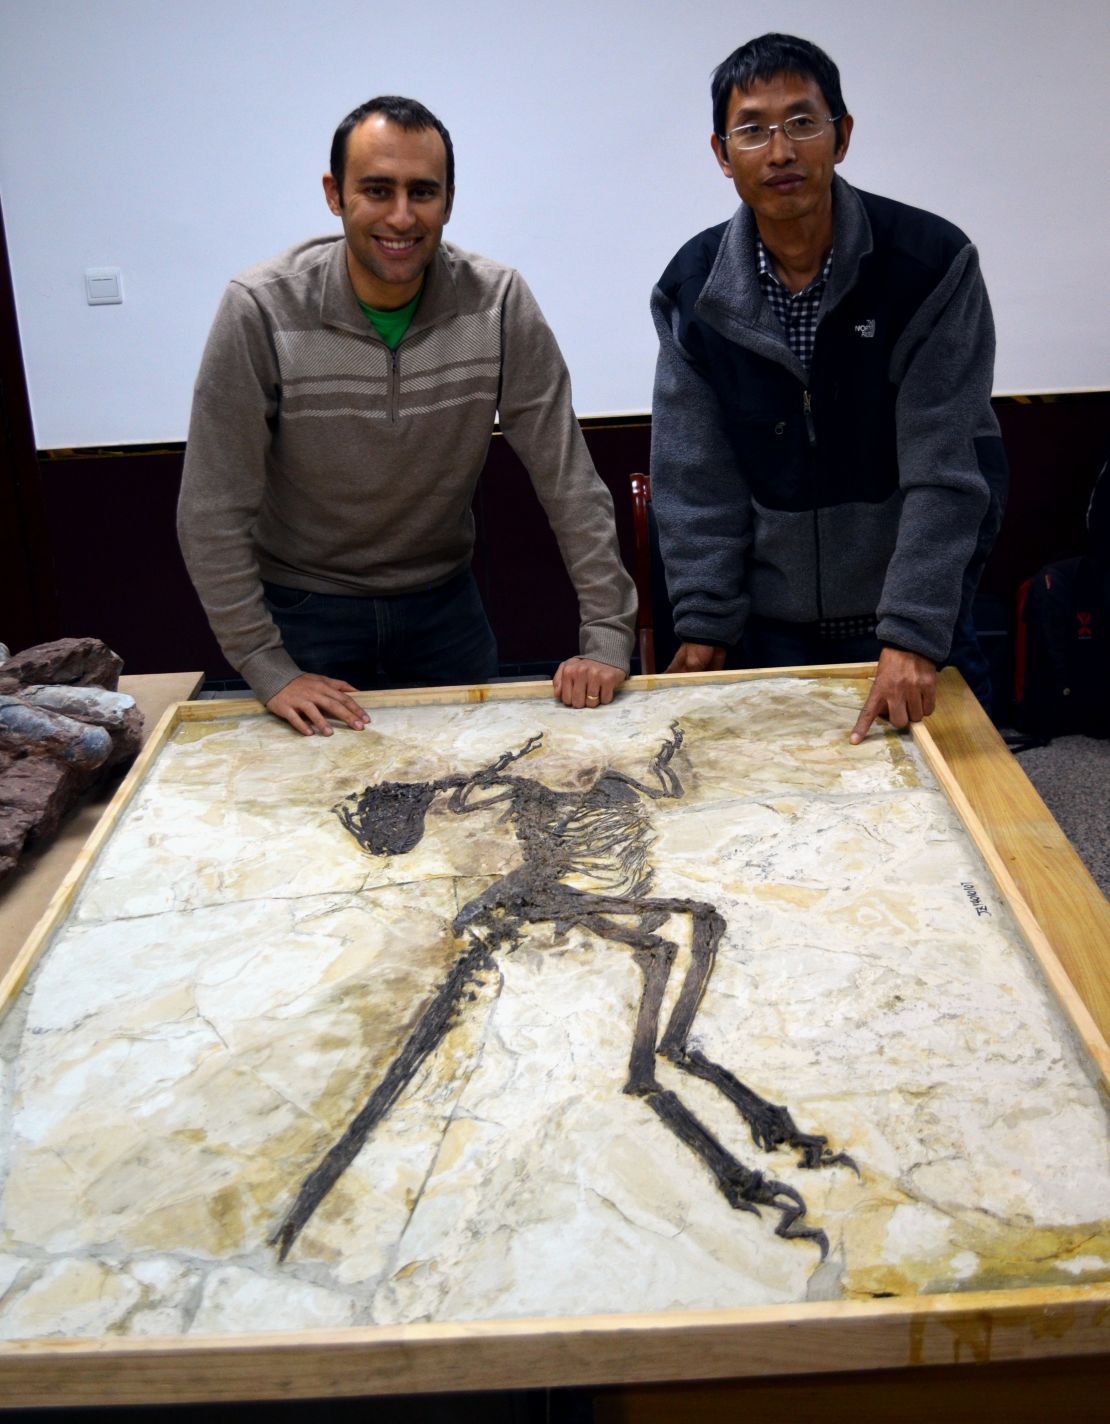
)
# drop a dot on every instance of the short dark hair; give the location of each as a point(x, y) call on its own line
point(405, 113)
point(766, 57)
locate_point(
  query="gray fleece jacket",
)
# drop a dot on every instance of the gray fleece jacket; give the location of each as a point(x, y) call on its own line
point(865, 486)
point(319, 459)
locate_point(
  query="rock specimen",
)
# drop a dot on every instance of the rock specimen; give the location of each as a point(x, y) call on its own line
point(62, 724)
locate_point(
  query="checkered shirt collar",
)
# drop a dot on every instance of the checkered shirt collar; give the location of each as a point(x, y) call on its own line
point(796, 311)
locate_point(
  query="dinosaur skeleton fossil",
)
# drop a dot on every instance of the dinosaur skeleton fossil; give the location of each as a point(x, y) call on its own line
point(600, 835)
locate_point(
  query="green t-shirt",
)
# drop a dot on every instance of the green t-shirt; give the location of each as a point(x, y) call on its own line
point(392, 325)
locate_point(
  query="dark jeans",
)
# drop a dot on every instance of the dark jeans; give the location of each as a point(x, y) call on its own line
point(437, 637)
point(770, 643)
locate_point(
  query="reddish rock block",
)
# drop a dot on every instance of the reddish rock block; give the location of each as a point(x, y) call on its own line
point(35, 793)
point(62, 724)
point(75, 662)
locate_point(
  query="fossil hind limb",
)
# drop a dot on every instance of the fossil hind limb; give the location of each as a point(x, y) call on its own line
point(744, 1188)
point(770, 1123)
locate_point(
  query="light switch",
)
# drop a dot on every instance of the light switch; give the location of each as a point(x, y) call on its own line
point(103, 286)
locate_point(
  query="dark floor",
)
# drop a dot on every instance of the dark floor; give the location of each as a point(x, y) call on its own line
point(533, 1406)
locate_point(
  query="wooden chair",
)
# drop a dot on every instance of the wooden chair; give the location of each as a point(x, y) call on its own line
point(654, 629)
point(641, 571)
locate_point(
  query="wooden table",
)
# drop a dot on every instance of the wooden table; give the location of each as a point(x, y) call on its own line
point(25, 894)
point(1076, 919)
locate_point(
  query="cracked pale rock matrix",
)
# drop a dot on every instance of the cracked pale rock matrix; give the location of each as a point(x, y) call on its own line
point(512, 1045)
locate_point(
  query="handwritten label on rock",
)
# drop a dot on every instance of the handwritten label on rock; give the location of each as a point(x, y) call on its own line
point(976, 899)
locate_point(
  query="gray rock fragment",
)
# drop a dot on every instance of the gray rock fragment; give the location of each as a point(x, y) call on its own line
point(115, 711)
point(32, 732)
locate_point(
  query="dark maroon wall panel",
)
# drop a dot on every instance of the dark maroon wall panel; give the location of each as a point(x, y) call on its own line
point(120, 576)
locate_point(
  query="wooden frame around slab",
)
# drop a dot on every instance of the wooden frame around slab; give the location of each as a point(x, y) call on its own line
point(1010, 1325)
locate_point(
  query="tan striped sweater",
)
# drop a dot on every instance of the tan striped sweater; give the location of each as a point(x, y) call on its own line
point(319, 459)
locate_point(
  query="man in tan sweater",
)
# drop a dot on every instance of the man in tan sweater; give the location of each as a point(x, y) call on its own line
point(340, 421)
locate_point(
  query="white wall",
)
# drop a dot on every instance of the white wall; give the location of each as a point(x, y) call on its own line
point(183, 141)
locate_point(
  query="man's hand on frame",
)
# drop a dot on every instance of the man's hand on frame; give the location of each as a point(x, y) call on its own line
point(309, 700)
point(904, 691)
point(697, 657)
point(582, 682)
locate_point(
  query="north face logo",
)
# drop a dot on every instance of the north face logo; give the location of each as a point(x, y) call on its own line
point(865, 328)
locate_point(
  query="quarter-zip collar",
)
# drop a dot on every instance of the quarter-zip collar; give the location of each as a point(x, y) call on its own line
point(732, 301)
point(339, 305)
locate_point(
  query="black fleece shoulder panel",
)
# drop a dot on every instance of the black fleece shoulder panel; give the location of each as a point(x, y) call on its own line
point(685, 276)
point(693, 261)
point(919, 235)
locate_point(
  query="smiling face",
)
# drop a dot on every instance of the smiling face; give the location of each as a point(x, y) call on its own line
point(394, 205)
point(785, 180)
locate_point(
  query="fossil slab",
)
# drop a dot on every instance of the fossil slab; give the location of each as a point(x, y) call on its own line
point(239, 976)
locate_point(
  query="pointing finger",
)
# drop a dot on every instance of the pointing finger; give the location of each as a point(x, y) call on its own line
point(865, 719)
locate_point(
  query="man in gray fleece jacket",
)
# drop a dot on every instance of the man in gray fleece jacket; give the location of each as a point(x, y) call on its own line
point(827, 472)
point(341, 419)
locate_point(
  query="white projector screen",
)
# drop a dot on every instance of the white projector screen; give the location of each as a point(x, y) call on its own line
point(180, 142)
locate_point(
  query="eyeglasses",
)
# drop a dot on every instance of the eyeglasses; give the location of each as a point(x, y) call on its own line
point(799, 128)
